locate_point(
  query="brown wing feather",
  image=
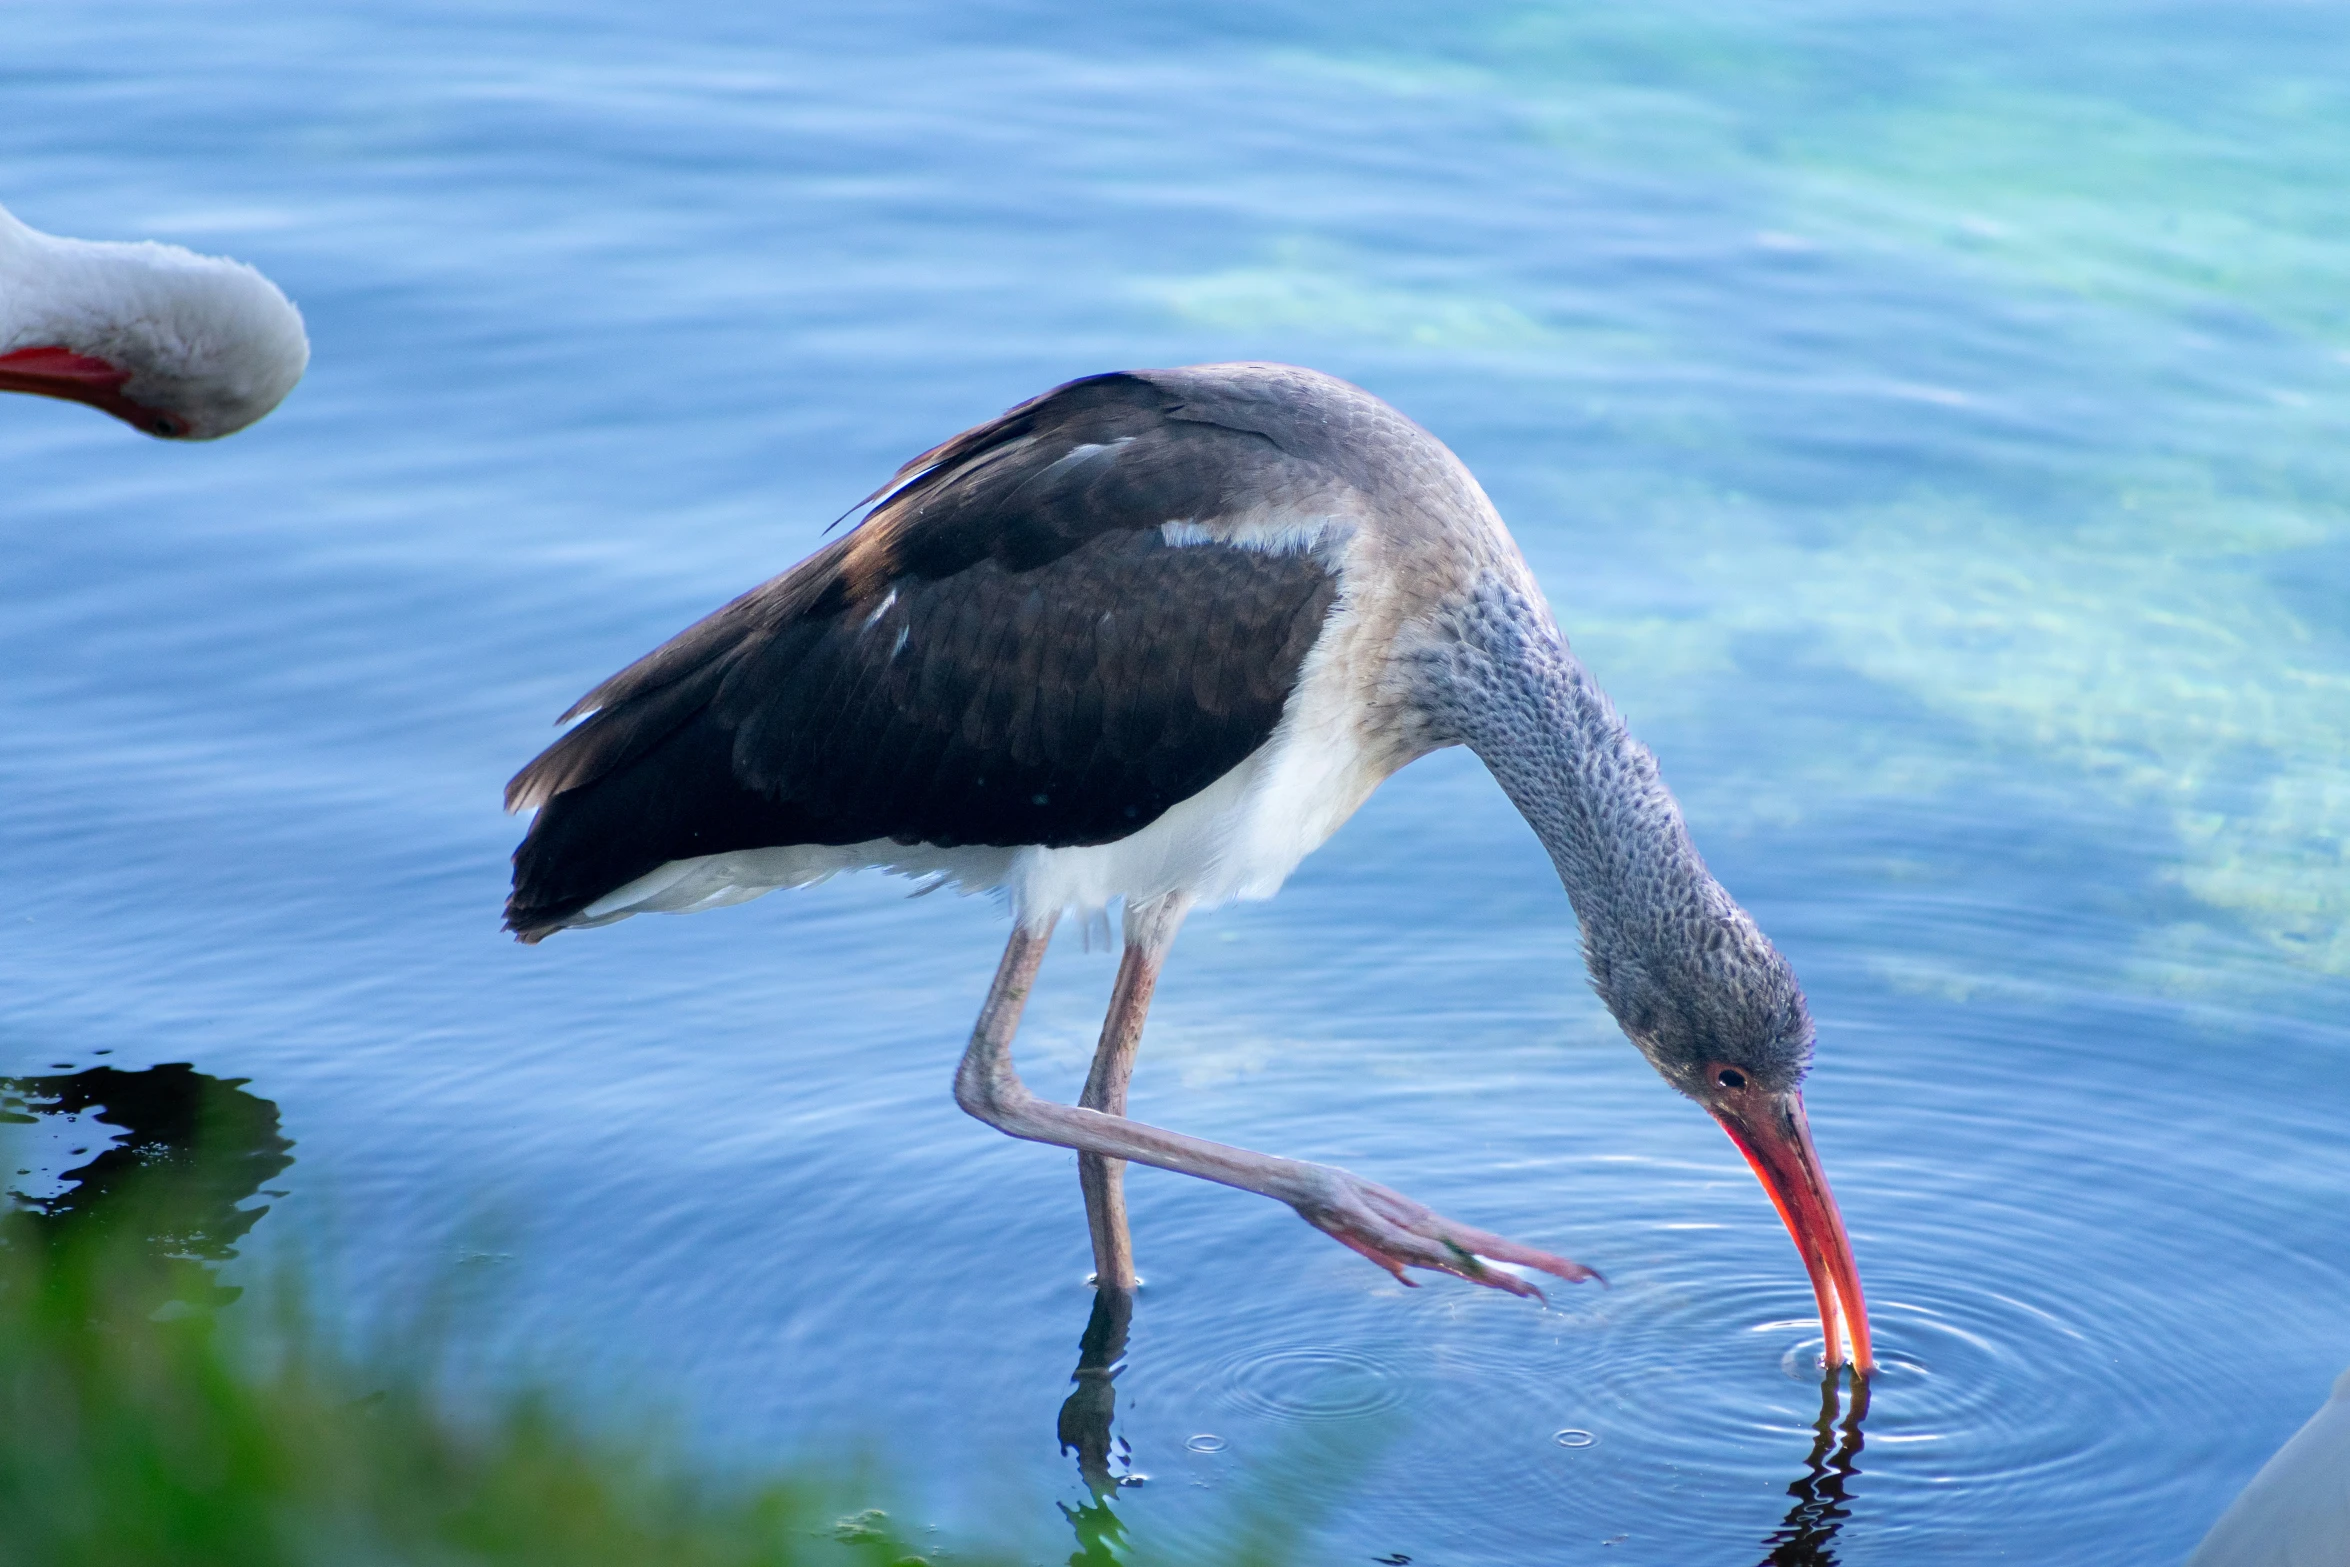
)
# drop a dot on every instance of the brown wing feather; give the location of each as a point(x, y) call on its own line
point(1006, 651)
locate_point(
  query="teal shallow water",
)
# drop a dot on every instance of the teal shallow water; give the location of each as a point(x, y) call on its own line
point(1929, 430)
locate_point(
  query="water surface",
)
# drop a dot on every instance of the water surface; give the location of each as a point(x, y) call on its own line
point(1930, 431)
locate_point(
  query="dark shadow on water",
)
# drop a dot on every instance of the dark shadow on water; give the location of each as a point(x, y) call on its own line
point(192, 1150)
point(1822, 1503)
point(1084, 1429)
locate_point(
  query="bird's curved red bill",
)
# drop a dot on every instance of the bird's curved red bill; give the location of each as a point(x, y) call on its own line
point(1776, 1139)
point(78, 378)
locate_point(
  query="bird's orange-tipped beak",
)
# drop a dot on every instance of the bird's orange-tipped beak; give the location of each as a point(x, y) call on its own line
point(78, 378)
point(1776, 1139)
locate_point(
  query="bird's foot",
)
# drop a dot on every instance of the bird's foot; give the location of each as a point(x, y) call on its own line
point(1398, 1233)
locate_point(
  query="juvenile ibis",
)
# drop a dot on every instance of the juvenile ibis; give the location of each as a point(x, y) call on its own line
point(1148, 639)
point(178, 345)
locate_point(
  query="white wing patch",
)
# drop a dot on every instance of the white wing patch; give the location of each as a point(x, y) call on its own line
point(1282, 532)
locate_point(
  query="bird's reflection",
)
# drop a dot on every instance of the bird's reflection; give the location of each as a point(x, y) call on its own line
point(1808, 1536)
point(191, 1152)
point(1086, 1413)
point(1085, 1421)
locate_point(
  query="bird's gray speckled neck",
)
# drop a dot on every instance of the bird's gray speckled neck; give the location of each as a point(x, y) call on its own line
point(1682, 967)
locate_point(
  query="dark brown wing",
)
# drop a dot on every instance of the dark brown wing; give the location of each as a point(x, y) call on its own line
point(1007, 651)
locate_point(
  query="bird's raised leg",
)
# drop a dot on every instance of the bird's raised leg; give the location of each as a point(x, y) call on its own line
point(1385, 1226)
point(1150, 931)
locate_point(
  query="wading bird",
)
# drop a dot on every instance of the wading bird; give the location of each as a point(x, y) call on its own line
point(182, 346)
point(2296, 1510)
point(1148, 639)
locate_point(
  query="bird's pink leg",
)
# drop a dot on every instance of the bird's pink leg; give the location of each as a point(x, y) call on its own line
point(1385, 1226)
point(1150, 931)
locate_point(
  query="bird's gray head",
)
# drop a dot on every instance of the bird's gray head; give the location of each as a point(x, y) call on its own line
point(1718, 1013)
point(1706, 997)
point(178, 345)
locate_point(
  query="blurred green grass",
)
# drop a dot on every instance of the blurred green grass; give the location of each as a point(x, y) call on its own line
point(152, 1416)
point(136, 1429)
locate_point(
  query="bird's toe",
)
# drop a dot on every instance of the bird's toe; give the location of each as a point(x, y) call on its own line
point(1398, 1233)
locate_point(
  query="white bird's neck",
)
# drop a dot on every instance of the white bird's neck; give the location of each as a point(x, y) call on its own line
point(62, 293)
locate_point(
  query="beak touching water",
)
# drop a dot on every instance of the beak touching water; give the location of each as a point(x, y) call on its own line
point(1771, 1131)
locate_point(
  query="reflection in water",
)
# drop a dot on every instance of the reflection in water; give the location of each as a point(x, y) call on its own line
point(1086, 1414)
point(1101, 1538)
point(1805, 1539)
point(1085, 1428)
point(192, 1150)
point(1821, 1505)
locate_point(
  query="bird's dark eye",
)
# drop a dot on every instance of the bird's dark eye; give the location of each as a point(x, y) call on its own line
point(166, 427)
point(1730, 1077)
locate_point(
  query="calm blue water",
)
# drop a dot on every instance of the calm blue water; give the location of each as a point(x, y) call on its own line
point(1931, 431)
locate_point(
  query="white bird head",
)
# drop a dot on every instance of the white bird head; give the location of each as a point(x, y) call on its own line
point(182, 346)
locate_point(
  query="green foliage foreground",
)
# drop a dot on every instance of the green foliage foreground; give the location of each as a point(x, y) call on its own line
point(146, 1420)
point(149, 1417)
point(135, 1434)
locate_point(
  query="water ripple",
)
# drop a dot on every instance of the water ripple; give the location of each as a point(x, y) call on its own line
point(1314, 1382)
